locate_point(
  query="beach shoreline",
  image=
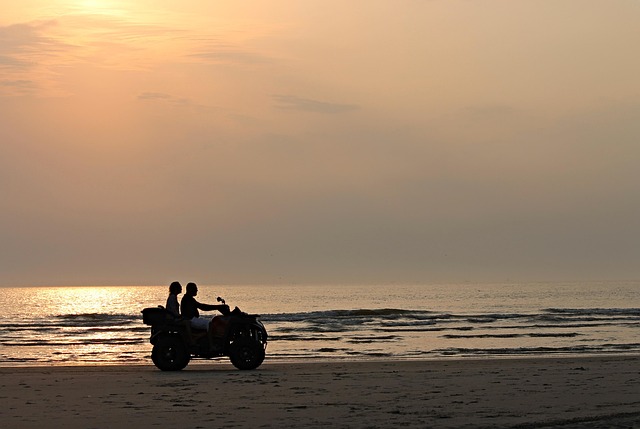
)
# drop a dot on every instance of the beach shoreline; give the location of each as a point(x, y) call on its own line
point(594, 391)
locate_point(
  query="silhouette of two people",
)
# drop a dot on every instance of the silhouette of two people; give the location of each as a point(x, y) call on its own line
point(189, 307)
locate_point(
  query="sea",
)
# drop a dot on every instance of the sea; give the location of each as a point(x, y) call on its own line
point(96, 325)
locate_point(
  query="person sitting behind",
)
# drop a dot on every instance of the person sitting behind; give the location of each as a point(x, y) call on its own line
point(190, 308)
point(173, 307)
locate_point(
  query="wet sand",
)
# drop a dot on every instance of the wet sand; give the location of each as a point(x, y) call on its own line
point(593, 392)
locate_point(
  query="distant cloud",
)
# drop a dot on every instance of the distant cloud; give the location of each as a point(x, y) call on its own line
point(27, 53)
point(292, 102)
point(160, 96)
point(34, 51)
point(11, 61)
point(21, 83)
point(23, 46)
point(153, 96)
point(231, 55)
point(172, 100)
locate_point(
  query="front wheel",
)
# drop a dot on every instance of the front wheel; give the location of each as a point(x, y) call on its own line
point(170, 354)
point(246, 353)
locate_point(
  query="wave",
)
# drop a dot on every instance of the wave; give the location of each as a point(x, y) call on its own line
point(275, 337)
point(72, 342)
point(595, 311)
point(340, 333)
point(288, 326)
point(397, 321)
point(357, 315)
point(95, 319)
point(596, 349)
point(530, 334)
point(391, 314)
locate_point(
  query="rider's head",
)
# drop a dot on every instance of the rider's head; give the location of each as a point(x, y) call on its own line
point(175, 288)
point(192, 289)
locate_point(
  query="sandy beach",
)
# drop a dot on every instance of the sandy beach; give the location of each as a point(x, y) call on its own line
point(523, 393)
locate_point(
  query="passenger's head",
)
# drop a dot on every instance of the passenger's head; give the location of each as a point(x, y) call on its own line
point(192, 289)
point(175, 288)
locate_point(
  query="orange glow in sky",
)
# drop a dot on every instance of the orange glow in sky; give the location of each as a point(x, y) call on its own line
point(318, 141)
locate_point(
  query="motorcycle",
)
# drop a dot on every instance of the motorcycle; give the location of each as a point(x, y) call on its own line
point(236, 334)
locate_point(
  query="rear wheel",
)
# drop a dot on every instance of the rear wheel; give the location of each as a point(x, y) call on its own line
point(170, 354)
point(246, 353)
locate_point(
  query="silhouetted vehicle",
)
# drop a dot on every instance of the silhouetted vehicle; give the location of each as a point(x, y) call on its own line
point(239, 335)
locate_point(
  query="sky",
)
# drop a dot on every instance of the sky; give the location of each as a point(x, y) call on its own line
point(307, 141)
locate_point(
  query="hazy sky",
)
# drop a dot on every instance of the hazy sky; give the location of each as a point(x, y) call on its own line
point(311, 141)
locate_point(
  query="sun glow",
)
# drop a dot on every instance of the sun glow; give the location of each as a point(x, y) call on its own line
point(93, 4)
point(98, 6)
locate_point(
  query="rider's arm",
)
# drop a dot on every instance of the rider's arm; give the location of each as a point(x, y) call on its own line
point(209, 307)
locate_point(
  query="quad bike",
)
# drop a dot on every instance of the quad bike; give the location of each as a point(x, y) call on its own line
point(239, 335)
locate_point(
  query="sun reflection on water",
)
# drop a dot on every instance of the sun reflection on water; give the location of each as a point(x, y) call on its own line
point(80, 300)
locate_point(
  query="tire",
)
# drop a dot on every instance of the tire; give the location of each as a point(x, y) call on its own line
point(246, 353)
point(170, 354)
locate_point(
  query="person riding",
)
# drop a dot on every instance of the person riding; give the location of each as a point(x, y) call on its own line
point(190, 308)
point(175, 288)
